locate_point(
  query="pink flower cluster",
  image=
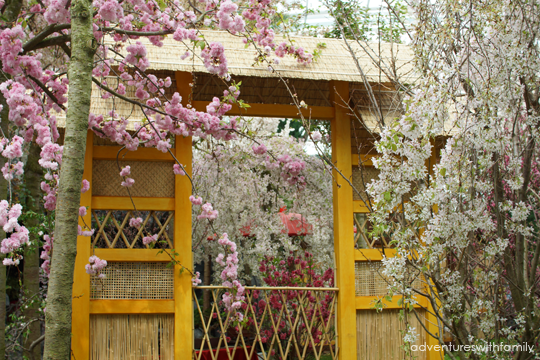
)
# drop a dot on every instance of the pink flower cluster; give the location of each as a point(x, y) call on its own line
point(125, 172)
point(85, 186)
point(51, 156)
point(50, 187)
point(214, 59)
point(295, 51)
point(11, 151)
point(110, 10)
point(227, 21)
point(178, 170)
point(147, 240)
point(208, 212)
point(292, 169)
point(234, 297)
point(95, 266)
point(259, 149)
point(137, 56)
point(136, 222)
point(81, 232)
point(196, 279)
point(46, 253)
point(196, 200)
point(18, 234)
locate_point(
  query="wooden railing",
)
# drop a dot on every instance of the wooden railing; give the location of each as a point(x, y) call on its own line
point(278, 323)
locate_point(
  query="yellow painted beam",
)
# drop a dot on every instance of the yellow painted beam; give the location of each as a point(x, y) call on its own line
point(367, 302)
point(142, 154)
point(131, 307)
point(131, 255)
point(80, 317)
point(275, 110)
point(360, 207)
point(372, 254)
point(343, 222)
point(124, 203)
point(183, 303)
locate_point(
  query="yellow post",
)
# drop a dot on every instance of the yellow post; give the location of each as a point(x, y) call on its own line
point(80, 317)
point(343, 222)
point(431, 320)
point(183, 304)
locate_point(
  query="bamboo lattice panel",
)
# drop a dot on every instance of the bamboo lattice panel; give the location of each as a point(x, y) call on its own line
point(369, 280)
point(363, 227)
point(134, 281)
point(152, 178)
point(379, 335)
point(361, 177)
point(132, 337)
point(362, 239)
point(280, 323)
point(114, 232)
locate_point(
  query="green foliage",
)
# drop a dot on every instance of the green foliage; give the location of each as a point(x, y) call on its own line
point(357, 22)
point(296, 128)
point(352, 17)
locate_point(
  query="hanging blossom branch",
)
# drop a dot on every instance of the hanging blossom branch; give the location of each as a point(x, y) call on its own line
point(35, 95)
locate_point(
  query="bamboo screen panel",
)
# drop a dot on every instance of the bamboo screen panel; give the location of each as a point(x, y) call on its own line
point(152, 178)
point(379, 336)
point(134, 281)
point(361, 177)
point(370, 281)
point(130, 337)
point(114, 231)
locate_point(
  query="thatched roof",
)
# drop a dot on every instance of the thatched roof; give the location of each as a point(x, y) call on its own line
point(259, 85)
point(335, 62)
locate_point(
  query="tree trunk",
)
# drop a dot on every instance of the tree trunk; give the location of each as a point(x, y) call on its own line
point(59, 297)
point(3, 195)
point(32, 175)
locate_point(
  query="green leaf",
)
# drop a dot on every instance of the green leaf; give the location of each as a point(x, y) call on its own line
point(387, 196)
point(442, 171)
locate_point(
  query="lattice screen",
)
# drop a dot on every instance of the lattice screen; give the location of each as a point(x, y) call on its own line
point(134, 281)
point(114, 232)
point(123, 337)
point(152, 178)
point(370, 281)
point(362, 240)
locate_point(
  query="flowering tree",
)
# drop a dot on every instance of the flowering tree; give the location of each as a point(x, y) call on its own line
point(267, 178)
point(72, 34)
point(469, 224)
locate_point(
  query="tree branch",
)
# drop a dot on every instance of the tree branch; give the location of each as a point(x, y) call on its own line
point(32, 43)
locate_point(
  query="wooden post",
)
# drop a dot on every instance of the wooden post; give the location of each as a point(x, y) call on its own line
point(431, 320)
point(343, 222)
point(183, 303)
point(80, 315)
